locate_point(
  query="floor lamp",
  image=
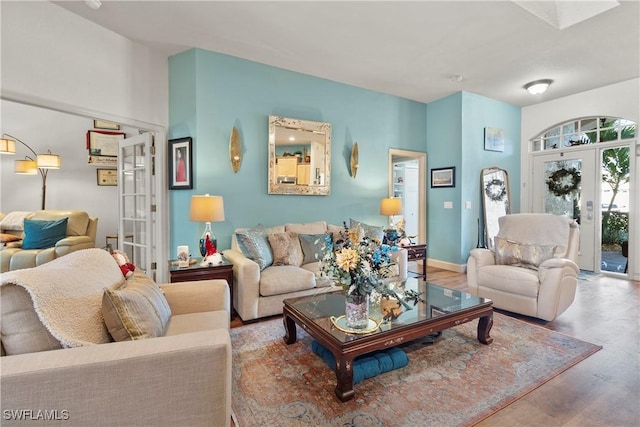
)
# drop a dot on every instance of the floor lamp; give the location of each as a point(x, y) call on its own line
point(39, 163)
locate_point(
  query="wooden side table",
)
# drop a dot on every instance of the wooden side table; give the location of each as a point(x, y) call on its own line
point(195, 272)
point(416, 253)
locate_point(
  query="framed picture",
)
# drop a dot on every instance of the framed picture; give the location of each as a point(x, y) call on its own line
point(493, 139)
point(108, 177)
point(103, 144)
point(103, 124)
point(443, 177)
point(180, 164)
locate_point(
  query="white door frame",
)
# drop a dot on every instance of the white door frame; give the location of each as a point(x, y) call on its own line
point(161, 194)
point(399, 155)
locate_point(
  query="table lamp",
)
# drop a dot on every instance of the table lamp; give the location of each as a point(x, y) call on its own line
point(207, 209)
point(391, 207)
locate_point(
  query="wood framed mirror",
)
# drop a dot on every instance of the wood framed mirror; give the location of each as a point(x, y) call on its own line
point(496, 202)
point(299, 157)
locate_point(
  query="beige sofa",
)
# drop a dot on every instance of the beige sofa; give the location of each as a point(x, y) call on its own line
point(180, 378)
point(81, 234)
point(533, 268)
point(259, 293)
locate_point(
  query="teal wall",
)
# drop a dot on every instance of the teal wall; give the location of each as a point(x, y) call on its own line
point(210, 93)
point(454, 123)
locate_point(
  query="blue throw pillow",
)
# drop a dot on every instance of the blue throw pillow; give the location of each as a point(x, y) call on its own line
point(312, 246)
point(370, 231)
point(43, 234)
point(254, 243)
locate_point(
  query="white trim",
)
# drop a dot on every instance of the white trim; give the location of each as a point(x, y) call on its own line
point(443, 265)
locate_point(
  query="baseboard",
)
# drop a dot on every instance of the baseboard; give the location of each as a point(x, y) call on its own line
point(449, 266)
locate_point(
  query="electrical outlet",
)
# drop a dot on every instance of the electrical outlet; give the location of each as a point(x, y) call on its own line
point(448, 205)
point(467, 204)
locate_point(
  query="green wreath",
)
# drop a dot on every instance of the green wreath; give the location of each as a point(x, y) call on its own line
point(495, 190)
point(564, 181)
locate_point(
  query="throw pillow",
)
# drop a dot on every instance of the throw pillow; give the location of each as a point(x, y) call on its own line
point(135, 311)
point(14, 220)
point(312, 246)
point(286, 249)
point(254, 244)
point(7, 238)
point(509, 252)
point(370, 231)
point(43, 234)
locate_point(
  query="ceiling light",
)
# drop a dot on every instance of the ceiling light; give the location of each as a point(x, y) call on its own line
point(93, 4)
point(539, 86)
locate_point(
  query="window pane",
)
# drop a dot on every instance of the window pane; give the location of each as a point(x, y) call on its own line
point(589, 124)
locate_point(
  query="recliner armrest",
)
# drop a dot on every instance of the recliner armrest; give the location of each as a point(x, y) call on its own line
point(483, 257)
point(553, 263)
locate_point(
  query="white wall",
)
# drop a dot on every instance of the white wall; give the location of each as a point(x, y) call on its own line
point(617, 100)
point(51, 53)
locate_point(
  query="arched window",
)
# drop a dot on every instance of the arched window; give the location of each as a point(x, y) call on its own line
point(589, 130)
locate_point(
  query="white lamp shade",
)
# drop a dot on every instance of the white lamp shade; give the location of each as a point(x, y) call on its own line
point(206, 208)
point(26, 167)
point(7, 146)
point(391, 206)
point(48, 161)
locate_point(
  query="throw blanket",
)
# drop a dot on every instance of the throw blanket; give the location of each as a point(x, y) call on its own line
point(67, 294)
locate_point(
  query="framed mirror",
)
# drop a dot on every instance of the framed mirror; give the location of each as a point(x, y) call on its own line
point(299, 157)
point(495, 197)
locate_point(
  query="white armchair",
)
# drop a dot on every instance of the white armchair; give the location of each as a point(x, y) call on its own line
point(532, 270)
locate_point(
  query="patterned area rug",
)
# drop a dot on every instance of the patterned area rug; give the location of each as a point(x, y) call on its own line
point(454, 382)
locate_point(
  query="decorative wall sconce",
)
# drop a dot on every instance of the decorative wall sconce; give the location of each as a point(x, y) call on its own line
point(235, 150)
point(31, 165)
point(354, 160)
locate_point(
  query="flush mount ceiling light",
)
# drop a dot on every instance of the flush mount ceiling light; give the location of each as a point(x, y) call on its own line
point(93, 4)
point(539, 86)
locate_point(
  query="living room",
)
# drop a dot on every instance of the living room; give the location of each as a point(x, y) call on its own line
point(76, 65)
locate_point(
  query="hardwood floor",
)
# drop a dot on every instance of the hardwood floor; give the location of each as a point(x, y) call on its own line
point(602, 390)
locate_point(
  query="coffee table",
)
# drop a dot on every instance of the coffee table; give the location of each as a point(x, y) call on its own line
point(441, 309)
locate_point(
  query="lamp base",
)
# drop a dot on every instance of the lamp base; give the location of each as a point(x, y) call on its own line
point(203, 239)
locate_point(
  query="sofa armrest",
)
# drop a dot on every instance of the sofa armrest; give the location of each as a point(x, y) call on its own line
point(167, 381)
point(73, 243)
point(478, 258)
point(483, 257)
point(197, 297)
point(246, 291)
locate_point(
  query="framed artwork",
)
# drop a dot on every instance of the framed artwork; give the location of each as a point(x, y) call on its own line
point(443, 177)
point(107, 177)
point(493, 139)
point(180, 164)
point(103, 124)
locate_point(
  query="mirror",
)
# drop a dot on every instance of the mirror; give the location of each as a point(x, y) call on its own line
point(494, 189)
point(299, 157)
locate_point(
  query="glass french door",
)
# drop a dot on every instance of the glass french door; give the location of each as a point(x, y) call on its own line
point(566, 184)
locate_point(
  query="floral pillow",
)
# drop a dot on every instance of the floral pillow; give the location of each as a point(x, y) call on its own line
point(509, 252)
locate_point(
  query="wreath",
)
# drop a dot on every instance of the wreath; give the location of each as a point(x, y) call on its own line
point(495, 190)
point(564, 181)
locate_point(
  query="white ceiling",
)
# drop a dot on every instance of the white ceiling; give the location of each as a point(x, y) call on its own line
point(410, 49)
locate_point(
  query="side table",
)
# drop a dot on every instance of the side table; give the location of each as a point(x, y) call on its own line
point(195, 272)
point(416, 253)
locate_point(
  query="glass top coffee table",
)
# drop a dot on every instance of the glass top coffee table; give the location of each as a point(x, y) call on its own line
point(440, 308)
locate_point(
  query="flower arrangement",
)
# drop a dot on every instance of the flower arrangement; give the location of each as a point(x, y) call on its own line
point(360, 265)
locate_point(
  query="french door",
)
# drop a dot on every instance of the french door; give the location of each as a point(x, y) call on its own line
point(136, 208)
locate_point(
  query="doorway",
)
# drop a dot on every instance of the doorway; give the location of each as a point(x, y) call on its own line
point(407, 180)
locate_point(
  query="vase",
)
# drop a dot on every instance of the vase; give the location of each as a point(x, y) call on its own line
point(357, 311)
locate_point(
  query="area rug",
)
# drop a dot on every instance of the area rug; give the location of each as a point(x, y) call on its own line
point(455, 381)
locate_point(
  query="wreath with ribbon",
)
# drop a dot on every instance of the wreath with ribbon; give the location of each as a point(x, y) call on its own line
point(495, 190)
point(564, 181)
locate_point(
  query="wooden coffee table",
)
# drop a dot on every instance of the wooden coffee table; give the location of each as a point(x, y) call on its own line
point(441, 309)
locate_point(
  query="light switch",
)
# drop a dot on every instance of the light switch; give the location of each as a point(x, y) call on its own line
point(448, 205)
point(467, 204)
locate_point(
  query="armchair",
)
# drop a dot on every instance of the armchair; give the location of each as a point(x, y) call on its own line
point(532, 270)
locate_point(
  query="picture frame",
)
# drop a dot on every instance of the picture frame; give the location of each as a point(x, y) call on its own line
point(107, 177)
point(443, 177)
point(493, 139)
point(180, 164)
point(103, 124)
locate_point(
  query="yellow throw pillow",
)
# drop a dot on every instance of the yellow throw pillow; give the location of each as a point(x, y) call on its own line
point(135, 311)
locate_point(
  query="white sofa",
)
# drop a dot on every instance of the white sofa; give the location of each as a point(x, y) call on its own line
point(259, 293)
point(533, 268)
point(182, 377)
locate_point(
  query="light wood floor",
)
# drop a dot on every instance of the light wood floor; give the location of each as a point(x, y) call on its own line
point(604, 389)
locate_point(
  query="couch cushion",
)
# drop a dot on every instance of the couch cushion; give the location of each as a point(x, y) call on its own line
point(307, 227)
point(21, 329)
point(509, 252)
point(14, 221)
point(286, 248)
point(196, 322)
point(321, 280)
point(336, 231)
point(136, 310)
point(312, 246)
point(77, 224)
point(254, 243)
point(43, 234)
point(509, 279)
point(283, 279)
point(370, 231)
